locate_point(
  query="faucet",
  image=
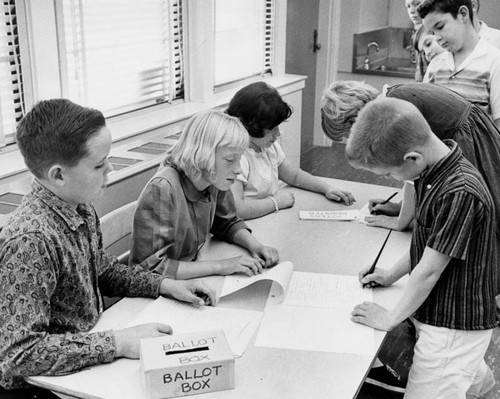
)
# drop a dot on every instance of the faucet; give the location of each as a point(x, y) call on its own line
point(367, 57)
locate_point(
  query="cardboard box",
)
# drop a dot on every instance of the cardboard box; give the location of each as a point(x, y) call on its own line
point(186, 364)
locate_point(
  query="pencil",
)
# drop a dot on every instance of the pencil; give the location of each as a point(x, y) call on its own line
point(372, 267)
point(383, 203)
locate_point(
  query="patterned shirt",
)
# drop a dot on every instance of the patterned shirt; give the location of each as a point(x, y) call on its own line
point(454, 216)
point(173, 220)
point(53, 270)
point(477, 78)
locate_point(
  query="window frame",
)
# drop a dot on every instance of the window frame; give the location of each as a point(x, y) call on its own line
point(198, 63)
point(199, 90)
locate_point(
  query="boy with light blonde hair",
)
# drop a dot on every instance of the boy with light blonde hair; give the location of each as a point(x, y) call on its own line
point(450, 294)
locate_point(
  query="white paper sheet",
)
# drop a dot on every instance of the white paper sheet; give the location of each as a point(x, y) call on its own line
point(325, 291)
point(238, 325)
point(314, 329)
point(315, 316)
point(279, 274)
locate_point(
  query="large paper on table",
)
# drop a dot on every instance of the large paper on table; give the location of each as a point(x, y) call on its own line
point(315, 316)
point(239, 325)
point(280, 276)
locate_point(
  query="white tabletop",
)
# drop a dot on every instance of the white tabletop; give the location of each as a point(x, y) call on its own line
point(335, 247)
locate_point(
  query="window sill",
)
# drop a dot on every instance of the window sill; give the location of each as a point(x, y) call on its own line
point(143, 124)
point(136, 150)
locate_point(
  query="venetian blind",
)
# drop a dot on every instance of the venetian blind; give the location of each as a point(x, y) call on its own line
point(11, 87)
point(121, 55)
point(244, 39)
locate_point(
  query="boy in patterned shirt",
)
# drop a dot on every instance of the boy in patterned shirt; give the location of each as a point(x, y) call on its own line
point(450, 293)
point(53, 268)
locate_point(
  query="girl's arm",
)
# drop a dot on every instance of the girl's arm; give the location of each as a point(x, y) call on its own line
point(298, 178)
point(250, 208)
point(268, 256)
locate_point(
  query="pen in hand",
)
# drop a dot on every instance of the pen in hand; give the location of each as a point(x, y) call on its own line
point(383, 203)
point(372, 267)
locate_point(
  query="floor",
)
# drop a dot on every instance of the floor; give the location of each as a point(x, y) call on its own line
point(330, 162)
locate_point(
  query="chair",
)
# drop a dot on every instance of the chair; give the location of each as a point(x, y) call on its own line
point(116, 229)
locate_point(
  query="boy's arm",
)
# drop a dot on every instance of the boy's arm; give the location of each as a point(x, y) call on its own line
point(26, 315)
point(420, 283)
point(298, 178)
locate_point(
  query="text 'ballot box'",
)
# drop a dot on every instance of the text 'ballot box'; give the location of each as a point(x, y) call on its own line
point(186, 364)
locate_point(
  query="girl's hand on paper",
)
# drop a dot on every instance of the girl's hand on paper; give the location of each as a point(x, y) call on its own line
point(244, 264)
point(127, 340)
point(372, 315)
point(196, 292)
point(340, 195)
point(268, 256)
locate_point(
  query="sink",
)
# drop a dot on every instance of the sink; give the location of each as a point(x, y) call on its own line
point(401, 67)
point(406, 69)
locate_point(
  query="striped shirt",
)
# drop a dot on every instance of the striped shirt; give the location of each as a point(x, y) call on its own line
point(454, 216)
point(477, 78)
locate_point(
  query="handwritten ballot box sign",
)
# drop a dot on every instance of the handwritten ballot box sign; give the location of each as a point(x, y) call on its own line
point(350, 214)
point(186, 364)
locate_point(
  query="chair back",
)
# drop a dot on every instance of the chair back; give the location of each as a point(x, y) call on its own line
point(116, 229)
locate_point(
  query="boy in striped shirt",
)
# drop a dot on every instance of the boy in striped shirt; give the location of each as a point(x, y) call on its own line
point(450, 294)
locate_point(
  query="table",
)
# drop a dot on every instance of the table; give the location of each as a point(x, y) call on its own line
point(313, 246)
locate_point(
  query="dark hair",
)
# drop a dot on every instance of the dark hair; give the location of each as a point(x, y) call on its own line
point(444, 6)
point(259, 107)
point(56, 131)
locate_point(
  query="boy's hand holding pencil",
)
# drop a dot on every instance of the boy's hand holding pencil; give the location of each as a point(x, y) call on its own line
point(384, 207)
point(367, 277)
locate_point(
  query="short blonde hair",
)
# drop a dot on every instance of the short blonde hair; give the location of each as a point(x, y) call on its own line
point(340, 105)
point(386, 129)
point(204, 133)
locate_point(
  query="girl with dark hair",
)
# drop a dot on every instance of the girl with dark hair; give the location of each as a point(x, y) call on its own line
point(257, 189)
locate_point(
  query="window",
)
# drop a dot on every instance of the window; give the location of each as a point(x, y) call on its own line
point(244, 34)
point(143, 63)
point(11, 84)
point(121, 55)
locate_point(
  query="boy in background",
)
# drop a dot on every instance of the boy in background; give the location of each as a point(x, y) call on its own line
point(471, 65)
point(53, 268)
point(450, 294)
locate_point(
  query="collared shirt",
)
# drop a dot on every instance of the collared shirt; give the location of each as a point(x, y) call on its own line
point(52, 271)
point(490, 34)
point(259, 171)
point(477, 78)
point(454, 216)
point(173, 220)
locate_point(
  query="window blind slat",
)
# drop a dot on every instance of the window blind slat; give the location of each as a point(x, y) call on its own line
point(118, 56)
point(11, 87)
point(244, 39)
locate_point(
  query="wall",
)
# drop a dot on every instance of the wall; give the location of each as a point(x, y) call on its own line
point(302, 19)
point(489, 12)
